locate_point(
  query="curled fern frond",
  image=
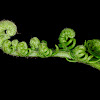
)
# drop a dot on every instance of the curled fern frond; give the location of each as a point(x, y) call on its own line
point(8, 27)
point(79, 54)
point(34, 43)
point(14, 45)
point(65, 34)
point(44, 51)
point(66, 39)
point(10, 47)
point(6, 47)
point(93, 47)
point(22, 49)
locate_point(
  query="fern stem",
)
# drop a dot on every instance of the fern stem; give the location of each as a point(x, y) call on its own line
point(63, 54)
point(95, 65)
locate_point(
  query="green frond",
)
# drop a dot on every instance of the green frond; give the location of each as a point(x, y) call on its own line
point(89, 53)
point(34, 43)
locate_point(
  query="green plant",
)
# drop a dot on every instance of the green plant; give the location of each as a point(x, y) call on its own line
point(88, 53)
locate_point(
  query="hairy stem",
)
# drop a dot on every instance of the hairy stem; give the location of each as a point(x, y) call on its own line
point(63, 54)
point(95, 65)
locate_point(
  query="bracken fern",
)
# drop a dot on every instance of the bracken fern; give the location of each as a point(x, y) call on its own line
point(87, 53)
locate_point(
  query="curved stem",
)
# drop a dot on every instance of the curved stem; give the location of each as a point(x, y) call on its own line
point(95, 65)
point(63, 54)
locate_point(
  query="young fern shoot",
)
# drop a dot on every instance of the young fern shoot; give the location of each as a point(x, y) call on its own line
point(88, 53)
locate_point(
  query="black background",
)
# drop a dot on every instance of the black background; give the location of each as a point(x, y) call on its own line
point(48, 77)
point(46, 21)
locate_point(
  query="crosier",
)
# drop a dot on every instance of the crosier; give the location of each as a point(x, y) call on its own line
point(88, 53)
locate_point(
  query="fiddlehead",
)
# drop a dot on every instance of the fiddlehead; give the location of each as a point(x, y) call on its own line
point(7, 29)
point(80, 55)
point(66, 38)
point(44, 51)
point(34, 43)
point(6, 47)
point(22, 49)
point(93, 47)
point(14, 45)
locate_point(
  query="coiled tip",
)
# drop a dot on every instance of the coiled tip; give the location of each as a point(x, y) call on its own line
point(65, 34)
point(44, 51)
point(34, 43)
point(8, 27)
point(93, 47)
